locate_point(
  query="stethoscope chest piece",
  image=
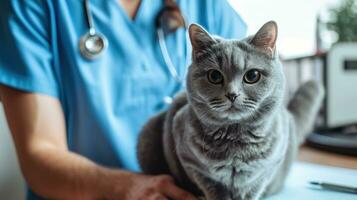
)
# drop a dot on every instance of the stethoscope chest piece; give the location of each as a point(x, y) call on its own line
point(92, 44)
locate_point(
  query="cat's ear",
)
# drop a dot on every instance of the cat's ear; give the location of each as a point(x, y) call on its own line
point(265, 38)
point(200, 38)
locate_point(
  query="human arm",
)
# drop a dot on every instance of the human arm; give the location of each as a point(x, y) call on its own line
point(52, 171)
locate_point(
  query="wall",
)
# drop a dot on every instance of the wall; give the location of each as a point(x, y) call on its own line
point(12, 185)
point(296, 20)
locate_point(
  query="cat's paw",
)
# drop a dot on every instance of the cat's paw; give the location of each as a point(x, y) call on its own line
point(201, 198)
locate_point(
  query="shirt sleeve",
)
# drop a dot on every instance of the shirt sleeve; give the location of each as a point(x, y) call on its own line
point(227, 22)
point(26, 56)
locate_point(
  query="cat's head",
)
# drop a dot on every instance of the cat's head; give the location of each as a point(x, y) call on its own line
point(232, 80)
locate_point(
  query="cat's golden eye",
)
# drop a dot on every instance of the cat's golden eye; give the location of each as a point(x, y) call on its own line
point(214, 76)
point(252, 76)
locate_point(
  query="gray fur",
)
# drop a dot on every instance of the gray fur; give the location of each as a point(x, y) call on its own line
point(221, 149)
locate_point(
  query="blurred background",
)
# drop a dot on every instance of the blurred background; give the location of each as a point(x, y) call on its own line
point(12, 186)
point(315, 41)
point(297, 21)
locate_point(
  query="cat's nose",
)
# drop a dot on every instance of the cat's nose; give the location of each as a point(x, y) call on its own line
point(231, 96)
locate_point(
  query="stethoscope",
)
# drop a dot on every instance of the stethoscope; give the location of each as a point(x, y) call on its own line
point(92, 44)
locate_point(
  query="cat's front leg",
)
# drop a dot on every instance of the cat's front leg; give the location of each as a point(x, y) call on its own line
point(250, 195)
point(212, 189)
point(253, 191)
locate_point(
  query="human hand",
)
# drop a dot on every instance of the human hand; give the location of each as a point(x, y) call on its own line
point(145, 187)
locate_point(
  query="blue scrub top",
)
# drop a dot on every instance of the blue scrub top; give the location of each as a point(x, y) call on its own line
point(106, 101)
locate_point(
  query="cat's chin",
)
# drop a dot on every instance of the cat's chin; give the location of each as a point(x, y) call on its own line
point(233, 110)
point(221, 118)
point(233, 115)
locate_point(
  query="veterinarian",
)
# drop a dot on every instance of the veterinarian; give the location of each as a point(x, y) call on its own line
point(80, 78)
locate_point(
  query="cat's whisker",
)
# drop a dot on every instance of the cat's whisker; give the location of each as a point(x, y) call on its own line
point(215, 103)
point(215, 99)
point(256, 136)
point(250, 99)
point(199, 100)
point(250, 106)
point(217, 106)
point(249, 102)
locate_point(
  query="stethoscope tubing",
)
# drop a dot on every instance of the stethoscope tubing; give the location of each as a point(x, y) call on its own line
point(166, 56)
point(89, 17)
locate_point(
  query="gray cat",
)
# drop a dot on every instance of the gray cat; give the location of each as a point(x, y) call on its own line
point(230, 136)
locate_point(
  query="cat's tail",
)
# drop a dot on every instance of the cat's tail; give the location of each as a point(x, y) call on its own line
point(304, 107)
point(155, 150)
point(150, 148)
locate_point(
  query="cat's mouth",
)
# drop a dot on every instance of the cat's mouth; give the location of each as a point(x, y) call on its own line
point(233, 109)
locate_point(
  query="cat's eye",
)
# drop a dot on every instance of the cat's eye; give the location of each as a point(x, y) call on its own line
point(214, 76)
point(252, 76)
